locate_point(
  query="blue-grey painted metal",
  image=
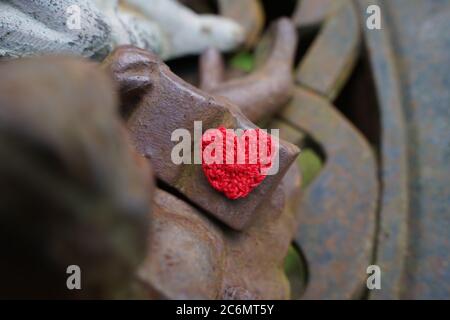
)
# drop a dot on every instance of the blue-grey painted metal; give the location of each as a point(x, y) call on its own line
point(393, 212)
point(419, 49)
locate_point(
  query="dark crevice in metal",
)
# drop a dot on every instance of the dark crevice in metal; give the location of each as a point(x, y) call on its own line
point(358, 102)
point(306, 37)
point(174, 192)
point(186, 68)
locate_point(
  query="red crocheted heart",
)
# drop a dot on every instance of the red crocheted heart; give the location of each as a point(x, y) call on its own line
point(235, 179)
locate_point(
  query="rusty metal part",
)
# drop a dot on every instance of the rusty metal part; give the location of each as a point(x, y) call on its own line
point(163, 103)
point(392, 234)
point(186, 251)
point(249, 14)
point(311, 13)
point(264, 91)
point(338, 210)
point(211, 70)
point(254, 267)
point(288, 132)
point(73, 189)
point(191, 257)
point(411, 62)
point(331, 58)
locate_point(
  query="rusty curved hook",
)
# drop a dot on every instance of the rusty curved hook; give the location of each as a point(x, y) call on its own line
point(262, 93)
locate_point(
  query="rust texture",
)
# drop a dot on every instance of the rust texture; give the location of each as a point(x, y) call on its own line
point(234, 265)
point(338, 210)
point(163, 103)
point(73, 189)
point(264, 91)
point(331, 58)
point(249, 14)
point(393, 227)
point(211, 70)
point(411, 64)
point(288, 132)
point(311, 13)
point(90, 196)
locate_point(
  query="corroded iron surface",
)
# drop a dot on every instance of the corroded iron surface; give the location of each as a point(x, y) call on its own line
point(163, 103)
point(73, 190)
point(288, 132)
point(338, 210)
point(393, 216)
point(186, 251)
point(331, 58)
point(311, 13)
point(249, 14)
point(263, 92)
point(413, 85)
point(184, 241)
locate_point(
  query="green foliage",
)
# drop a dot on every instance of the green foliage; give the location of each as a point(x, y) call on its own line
point(292, 261)
point(296, 272)
point(310, 165)
point(244, 61)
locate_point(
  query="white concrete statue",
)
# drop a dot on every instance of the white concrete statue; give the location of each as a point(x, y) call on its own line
point(92, 28)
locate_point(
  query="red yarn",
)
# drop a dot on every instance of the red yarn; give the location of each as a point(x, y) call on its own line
point(236, 180)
